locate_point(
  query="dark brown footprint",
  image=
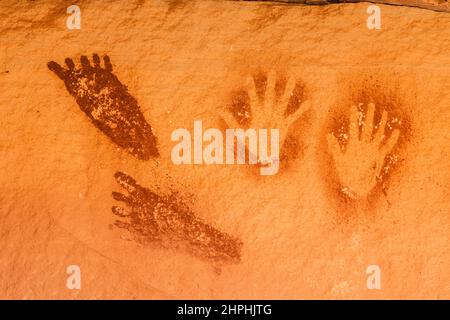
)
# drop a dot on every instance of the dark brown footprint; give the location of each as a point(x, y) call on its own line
point(109, 105)
point(166, 218)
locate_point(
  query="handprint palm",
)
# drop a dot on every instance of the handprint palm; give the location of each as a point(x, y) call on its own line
point(359, 165)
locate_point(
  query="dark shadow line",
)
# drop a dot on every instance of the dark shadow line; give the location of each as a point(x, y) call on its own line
point(397, 3)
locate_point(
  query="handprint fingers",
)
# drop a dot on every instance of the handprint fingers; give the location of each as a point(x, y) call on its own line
point(70, 64)
point(391, 142)
point(60, 71)
point(120, 211)
point(125, 181)
point(269, 97)
point(108, 65)
point(379, 135)
point(251, 90)
point(85, 62)
point(367, 129)
point(354, 123)
point(288, 92)
point(96, 60)
point(57, 69)
point(121, 224)
point(121, 197)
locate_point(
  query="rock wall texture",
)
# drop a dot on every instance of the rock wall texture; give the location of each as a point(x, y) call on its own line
point(87, 176)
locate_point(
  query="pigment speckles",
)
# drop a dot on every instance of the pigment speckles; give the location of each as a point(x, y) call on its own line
point(359, 155)
point(240, 107)
point(109, 105)
point(369, 102)
point(167, 218)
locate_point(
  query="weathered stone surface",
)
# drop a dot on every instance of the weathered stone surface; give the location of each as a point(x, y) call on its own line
point(434, 5)
point(181, 60)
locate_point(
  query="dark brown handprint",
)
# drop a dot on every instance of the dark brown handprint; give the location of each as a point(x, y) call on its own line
point(109, 105)
point(166, 218)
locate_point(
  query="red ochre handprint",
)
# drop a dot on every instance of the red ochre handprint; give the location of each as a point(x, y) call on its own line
point(360, 161)
point(277, 107)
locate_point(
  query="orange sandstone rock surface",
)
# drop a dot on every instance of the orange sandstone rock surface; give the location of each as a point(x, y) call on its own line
point(223, 231)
